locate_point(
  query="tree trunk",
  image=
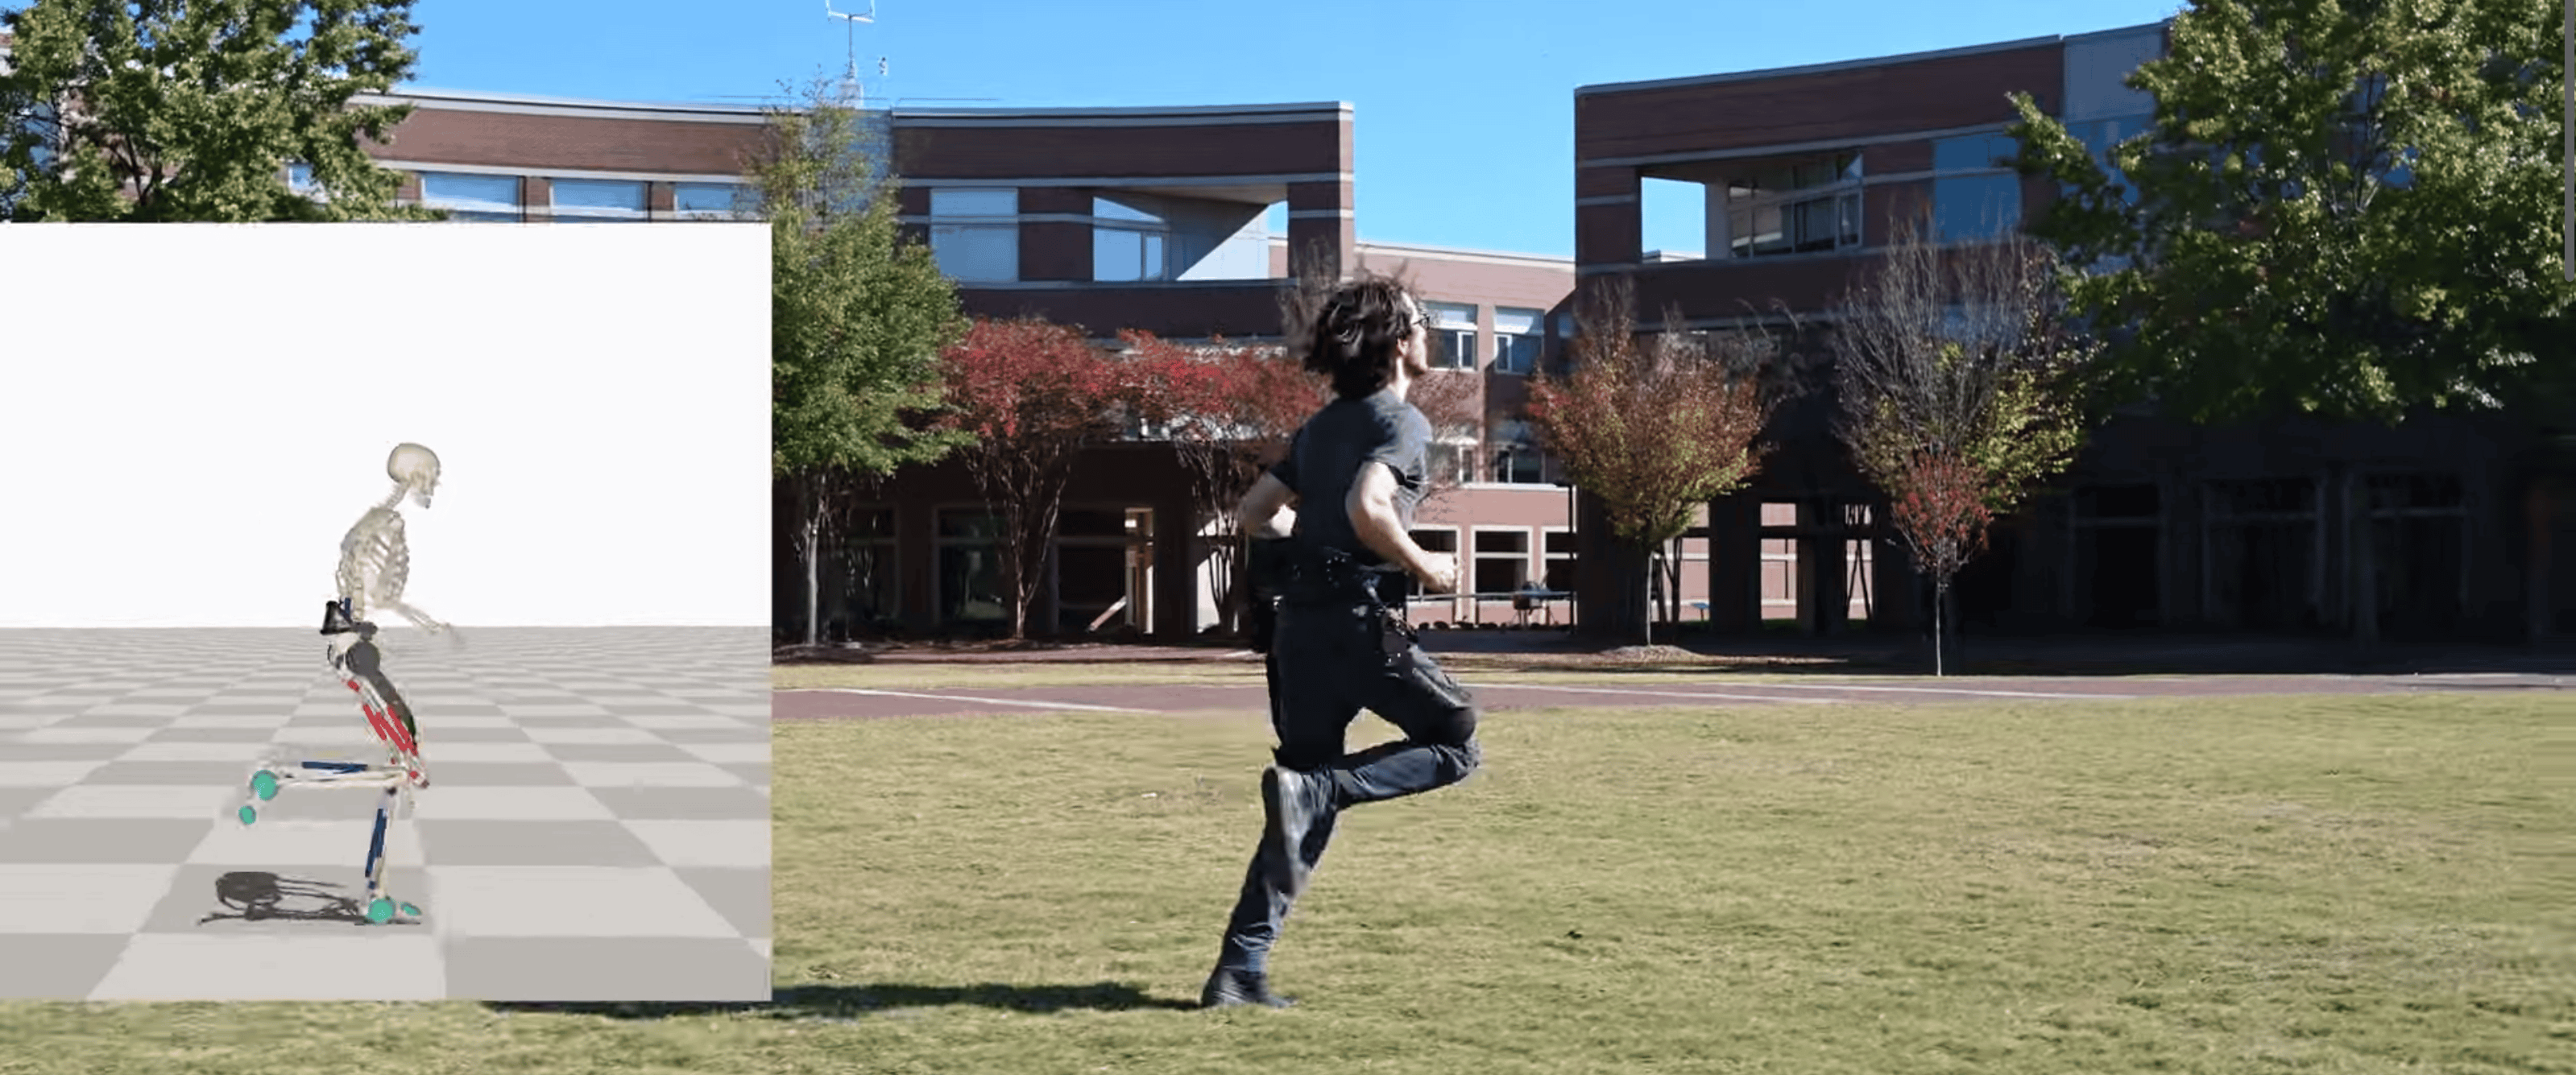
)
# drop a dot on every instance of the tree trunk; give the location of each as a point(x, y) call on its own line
point(812, 544)
point(2364, 569)
point(1940, 603)
point(1634, 622)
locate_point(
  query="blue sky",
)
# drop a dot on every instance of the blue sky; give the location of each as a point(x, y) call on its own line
point(1464, 110)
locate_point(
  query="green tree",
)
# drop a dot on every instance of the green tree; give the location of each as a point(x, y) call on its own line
point(1955, 366)
point(189, 110)
point(2342, 209)
point(858, 317)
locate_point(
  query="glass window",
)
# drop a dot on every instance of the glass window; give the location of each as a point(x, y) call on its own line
point(1502, 560)
point(471, 197)
point(1129, 243)
point(1975, 207)
point(1110, 209)
point(1453, 349)
point(1453, 335)
point(607, 199)
point(1116, 255)
point(1450, 463)
point(969, 523)
point(299, 178)
point(709, 200)
point(969, 202)
point(1120, 256)
point(970, 566)
point(988, 250)
point(1517, 339)
point(1975, 152)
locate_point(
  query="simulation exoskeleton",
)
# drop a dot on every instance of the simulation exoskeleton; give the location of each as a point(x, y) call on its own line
point(375, 562)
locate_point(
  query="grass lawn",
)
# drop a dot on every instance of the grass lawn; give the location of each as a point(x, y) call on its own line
point(2354, 884)
point(1516, 668)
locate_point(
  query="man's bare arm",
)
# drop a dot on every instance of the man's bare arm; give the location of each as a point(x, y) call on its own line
point(1372, 508)
point(1265, 511)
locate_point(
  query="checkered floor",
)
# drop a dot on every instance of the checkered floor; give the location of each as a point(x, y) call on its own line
point(596, 826)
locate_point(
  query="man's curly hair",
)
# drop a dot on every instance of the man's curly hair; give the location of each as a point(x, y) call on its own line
point(1356, 333)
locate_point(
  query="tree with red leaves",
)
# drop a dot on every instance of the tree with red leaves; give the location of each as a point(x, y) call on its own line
point(1652, 427)
point(1941, 512)
point(1234, 409)
point(1035, 394)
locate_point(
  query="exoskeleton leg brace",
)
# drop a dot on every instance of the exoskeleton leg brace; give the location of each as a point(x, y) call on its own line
point(353, 654)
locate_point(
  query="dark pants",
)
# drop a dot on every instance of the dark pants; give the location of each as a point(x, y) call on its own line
point(1326, 663)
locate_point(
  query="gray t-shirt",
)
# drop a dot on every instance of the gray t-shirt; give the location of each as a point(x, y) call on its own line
point(1325, 456)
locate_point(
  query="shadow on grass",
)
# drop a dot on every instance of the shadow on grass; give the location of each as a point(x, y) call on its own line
point(842, 1003)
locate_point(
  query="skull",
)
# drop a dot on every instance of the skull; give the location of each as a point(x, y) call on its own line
point(415, 469)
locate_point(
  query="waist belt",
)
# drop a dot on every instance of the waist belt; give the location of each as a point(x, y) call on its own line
point(1303, 573)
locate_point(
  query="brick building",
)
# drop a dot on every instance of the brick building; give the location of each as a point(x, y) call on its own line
point(1168, 220)
point(1803, 173)
point(1182, 222)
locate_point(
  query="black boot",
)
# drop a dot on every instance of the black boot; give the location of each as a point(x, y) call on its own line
point(1229, 987)
point(1291, 804)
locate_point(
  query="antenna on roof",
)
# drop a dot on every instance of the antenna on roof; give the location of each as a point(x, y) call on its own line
point(850, 81)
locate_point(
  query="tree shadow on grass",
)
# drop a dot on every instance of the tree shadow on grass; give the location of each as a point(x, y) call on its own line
point(845, 1003)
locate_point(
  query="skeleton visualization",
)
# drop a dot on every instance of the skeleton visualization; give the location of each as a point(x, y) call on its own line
point(375, 562)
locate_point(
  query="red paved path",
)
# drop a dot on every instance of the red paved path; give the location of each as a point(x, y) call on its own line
point(1502, 693)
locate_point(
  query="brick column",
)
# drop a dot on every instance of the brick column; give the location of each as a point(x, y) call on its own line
point(1055, 249)
point(1735, 564)
point(1824, 602)
point(913, 202)
point(1321, 224)
point(1176, 591)
point(536, 198)
point(1609, 226)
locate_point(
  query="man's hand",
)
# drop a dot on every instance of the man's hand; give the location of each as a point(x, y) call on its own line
point(1440, 572)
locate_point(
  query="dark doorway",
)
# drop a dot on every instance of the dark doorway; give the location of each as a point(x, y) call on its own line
point(2119, 578)
point(2118, 566)
point(2262, 555)
point(1984, 591)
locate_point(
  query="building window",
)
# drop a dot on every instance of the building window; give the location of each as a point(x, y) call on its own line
point(1453, 463)
point(472, 197)
point(1798, 209)
point(2262, 560)
point(1096, 556)
point(970, 566)
point(1502, 561)
point(1517, 340)
point(975, 234)
point(867, 575)
point(1520, 464)
point(710, 201)
point(1976, 195)
point(1517, 460)
point(299, 178)
point(1453, 335)
point(1559, 561)
point(1128, 244)
point(599, 199)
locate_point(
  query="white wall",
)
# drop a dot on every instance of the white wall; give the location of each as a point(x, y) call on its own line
point(191, 416)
